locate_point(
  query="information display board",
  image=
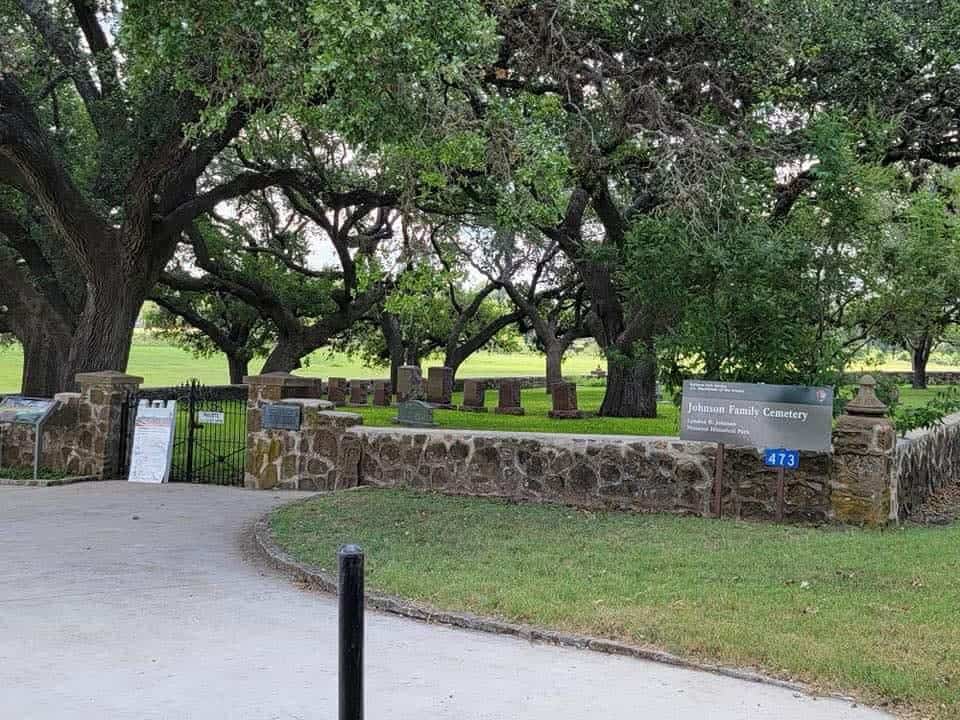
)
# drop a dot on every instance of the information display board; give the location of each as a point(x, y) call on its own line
point(153, 443)
point(757, 415)
point(279, 416)
point(28, 411)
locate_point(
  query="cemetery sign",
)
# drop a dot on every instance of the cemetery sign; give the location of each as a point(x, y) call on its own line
point(757, 415)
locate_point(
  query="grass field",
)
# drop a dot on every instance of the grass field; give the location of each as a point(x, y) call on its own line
point(873, 613)
point(162, 365)
point(536, 402)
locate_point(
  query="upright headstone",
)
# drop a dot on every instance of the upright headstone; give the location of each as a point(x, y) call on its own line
point(381, 393)
point(358, 393)
point(409, 383)
point(337, 391)
point(440, 387)
point(565, 401)
point(474, 396)
point(509, 398)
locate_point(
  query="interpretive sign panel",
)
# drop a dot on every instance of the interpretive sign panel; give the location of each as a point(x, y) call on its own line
point(757, 415)
point(281, 417)
point(29, 411)
point(152, 443)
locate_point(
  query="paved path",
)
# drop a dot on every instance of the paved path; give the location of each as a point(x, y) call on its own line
point(108, 617)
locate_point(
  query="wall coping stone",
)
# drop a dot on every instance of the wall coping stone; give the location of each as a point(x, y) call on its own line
point(282, 379)
point(914, 435)
point(546, 436)
point(322, 405)
point(108, 377)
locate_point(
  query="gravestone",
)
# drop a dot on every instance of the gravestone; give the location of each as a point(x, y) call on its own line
point(358, 393)
point(509, 398)
point(337, 391)
point(440, 387)
point(474, 396)
point(409, 383)
point(565, 401)
point(415, 413)
point(381, 393)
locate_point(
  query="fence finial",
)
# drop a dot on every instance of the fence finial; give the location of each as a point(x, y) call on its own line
point(866, 402)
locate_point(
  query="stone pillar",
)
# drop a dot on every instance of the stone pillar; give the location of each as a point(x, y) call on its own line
point(358, 393)
point(381, 393)
point(474, 396)
point(409, 383)
point(864, 447)
point(508, 398)
point(564, 396)
point(337, 391)
point(440, 387)
point(102, 398)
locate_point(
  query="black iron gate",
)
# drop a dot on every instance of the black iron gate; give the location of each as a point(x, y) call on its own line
point(210, 439)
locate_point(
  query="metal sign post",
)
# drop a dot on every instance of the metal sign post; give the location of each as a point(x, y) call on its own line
point(718, 482)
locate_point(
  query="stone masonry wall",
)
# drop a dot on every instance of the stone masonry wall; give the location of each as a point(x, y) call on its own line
point(82, 436)
point(608, 472)
point(926, 461)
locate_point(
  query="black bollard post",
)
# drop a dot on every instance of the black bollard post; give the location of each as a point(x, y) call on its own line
point(350, 558)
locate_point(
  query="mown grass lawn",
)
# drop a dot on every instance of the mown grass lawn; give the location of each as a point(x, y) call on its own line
point(537, 404)
point(873, 613)
point(161, 365)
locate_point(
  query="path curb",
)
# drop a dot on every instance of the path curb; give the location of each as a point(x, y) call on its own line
point(320, 579)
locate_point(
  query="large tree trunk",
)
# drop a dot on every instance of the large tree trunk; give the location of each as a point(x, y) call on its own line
point(631, 389)
point(554, 365)
point(919, 360)
point(44, 362)
point(285, 356)
point(104, 330)
point(238, 365)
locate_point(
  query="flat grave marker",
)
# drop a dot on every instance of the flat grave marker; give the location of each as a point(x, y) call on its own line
point(415, 413)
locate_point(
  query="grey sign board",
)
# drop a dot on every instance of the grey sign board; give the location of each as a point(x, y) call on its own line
point(757, 415)
point(29, 411)
point(278, 416)
point(415, 413)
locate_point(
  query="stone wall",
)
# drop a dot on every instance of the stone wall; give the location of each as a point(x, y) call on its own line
point(647, 474)
point(927, 460)
point(82, 436)
point(333, 450)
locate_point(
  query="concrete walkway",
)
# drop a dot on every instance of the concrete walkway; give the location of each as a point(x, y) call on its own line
point(129, 601)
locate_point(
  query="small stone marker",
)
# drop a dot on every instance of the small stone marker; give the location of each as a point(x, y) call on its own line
point(565, 401)
point(409, 383)
point(337, 391)
point(415, 413)
point(474, 396)
point(509, 398)
point(440, 387)
point(358, 393)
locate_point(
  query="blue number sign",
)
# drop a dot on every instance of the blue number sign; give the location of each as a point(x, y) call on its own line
point(779, 457)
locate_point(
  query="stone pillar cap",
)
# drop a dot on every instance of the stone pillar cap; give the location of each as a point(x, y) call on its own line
point(866, 402)
point(107, 377)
